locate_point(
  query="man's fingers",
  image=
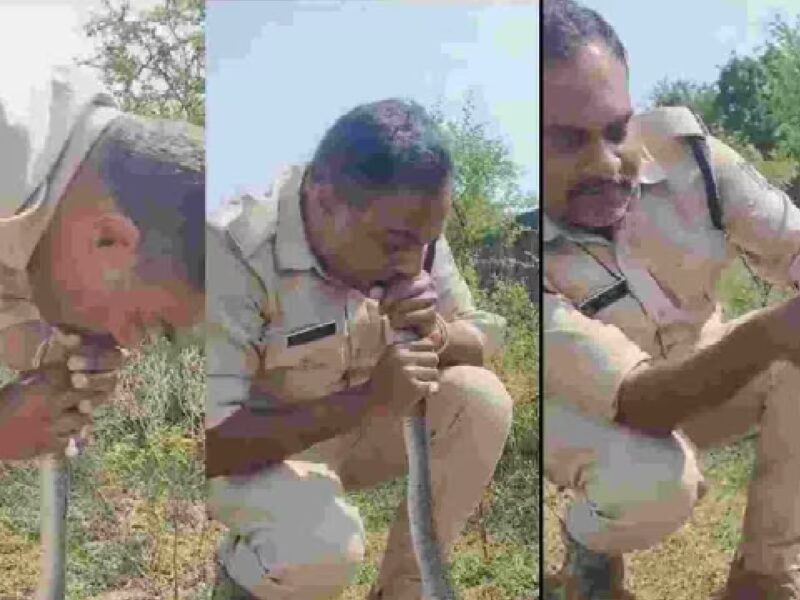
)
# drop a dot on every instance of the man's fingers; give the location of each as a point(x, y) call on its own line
point(86, 359)
point(410, 305)
point(67, 340)
point(423, 320)
point(422, 359)
point(424, 297)
point(402, 289)
point(70, 423)
point(80, 401)
point(420, 345)
point(95, 382)
point(427, 388)
point(420, 373)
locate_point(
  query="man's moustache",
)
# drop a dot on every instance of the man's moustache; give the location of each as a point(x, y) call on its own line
point(598, 188)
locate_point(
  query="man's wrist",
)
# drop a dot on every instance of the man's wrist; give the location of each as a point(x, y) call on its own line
point(440, 336)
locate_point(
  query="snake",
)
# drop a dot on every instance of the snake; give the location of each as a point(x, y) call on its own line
point(419, 499)
point(432, 567)
point(55, 477)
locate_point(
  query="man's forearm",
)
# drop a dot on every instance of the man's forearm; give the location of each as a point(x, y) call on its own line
point(250, 440)
point(464, 345)
point(656, 399)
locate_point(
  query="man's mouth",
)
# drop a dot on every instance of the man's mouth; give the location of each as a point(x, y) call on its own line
point(598, 204)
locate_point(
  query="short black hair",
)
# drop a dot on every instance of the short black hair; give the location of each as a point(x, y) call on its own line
point(387, 146)
point(155, 171)
point(569, 26)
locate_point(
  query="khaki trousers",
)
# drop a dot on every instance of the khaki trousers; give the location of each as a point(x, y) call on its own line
point(293, 535)
point(633, 490)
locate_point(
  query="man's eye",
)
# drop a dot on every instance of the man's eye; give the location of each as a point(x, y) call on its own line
point(617, 133)
point(567, 140)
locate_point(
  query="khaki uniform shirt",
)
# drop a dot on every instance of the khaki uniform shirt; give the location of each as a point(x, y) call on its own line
point(49, 119)
point(672, 257)
point(274, 315)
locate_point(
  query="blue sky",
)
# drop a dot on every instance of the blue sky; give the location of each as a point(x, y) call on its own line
point(686, 38)
point(279, 73)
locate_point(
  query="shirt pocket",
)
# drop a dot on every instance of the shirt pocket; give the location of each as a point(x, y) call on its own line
point(306, 363)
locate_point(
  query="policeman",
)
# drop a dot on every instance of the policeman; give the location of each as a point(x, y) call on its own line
point(642, 214)
point(101, 220)
point(306, 389)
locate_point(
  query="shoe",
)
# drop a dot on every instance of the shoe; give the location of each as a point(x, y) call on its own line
point(589, 575)
point(225, 588)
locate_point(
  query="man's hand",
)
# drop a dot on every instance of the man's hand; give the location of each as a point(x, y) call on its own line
point(404, 374)
point(41, 412)
point(93, 361)
point(784, 329)
point(411, 304)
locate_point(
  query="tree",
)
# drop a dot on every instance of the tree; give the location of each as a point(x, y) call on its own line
point(782, 65)
point(486, 188)
point(153, 61)
point(743, 103)
point(700, 97)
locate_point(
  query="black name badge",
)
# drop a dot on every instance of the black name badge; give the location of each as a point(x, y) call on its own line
point(311, 334)
point(605, 297)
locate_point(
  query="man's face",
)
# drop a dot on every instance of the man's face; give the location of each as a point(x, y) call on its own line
point(385, 240)
point(590, 164)
point(87, 274)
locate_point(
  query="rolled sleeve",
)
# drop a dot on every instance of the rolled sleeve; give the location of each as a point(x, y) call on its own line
point(455, 302)
point(234, 325)
point(21, 329)
point(585, 360)
point(760, 219)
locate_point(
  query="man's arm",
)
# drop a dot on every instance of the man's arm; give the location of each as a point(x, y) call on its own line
point(473, 335)
point(760, 220)
point(251, 439)
point(602, 372)
point(464, 345)
point(657, 398)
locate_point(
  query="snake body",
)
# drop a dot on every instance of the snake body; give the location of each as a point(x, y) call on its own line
point(53, 521)
point(432, 568)
point(419, 498)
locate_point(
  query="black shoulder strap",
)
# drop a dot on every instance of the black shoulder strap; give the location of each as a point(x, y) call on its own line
point(701, 155)
point(430, 254)
point(699, 146)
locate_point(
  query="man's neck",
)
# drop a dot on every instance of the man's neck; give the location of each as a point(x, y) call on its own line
point(316, 229)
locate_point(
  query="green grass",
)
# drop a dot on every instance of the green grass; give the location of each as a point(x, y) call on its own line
point(136, 497)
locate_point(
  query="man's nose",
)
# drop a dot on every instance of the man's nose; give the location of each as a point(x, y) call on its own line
point(408, 263)
point(603, 161)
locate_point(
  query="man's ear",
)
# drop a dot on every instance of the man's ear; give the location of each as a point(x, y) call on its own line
point(324, 196)
point(114, 241)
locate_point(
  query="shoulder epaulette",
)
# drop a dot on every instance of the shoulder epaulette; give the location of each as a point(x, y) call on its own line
point(682, 122)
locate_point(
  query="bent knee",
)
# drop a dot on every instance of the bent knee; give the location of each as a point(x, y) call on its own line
point(307, 558)
point(634, 504)
point(482, 392)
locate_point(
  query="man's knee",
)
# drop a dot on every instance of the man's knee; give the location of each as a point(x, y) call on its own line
point(292, 535)
point(637, 496)
point(292, 562)
point(481, 393)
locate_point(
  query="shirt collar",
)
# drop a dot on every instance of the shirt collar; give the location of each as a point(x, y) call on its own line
point(291, 241)
point(650, 171)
